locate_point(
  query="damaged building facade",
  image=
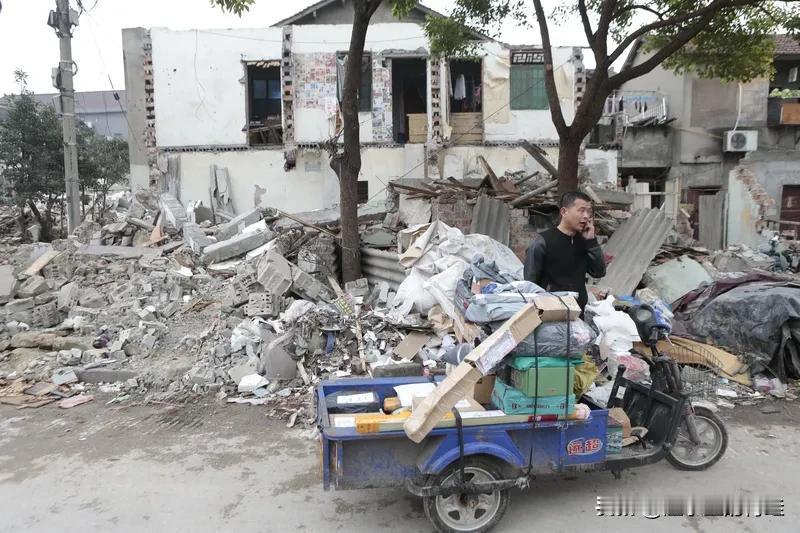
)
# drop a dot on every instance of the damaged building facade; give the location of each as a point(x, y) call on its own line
point(244, 115)
point(722, 154)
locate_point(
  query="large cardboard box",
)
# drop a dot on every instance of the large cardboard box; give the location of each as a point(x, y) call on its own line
point(461, 382)
point(542, 376)
point(556, 308)
point(482, 393)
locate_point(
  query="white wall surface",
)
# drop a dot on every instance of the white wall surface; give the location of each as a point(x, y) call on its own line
point(310, 185)
point(336, 37)
point(537, 125)
point(199, 96)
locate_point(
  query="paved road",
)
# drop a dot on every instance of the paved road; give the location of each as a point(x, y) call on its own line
point(210, 467)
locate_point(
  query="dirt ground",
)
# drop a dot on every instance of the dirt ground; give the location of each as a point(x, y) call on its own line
point(208, 466)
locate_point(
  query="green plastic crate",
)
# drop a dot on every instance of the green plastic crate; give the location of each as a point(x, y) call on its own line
point(515, 402)
point(551, 375)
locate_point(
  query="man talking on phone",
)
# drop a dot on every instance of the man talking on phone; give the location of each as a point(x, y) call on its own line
point(559, 258)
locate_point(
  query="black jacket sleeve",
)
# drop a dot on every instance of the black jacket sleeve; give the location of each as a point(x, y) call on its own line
point(596, 266)
point(534, 261)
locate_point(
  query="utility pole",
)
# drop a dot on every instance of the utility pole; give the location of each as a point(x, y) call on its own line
point(62, 20)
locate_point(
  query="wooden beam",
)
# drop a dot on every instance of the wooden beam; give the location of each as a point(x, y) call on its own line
point(528, 195)
point(540, 156)
point(493, 181)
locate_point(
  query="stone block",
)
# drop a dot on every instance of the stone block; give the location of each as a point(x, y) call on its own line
point(173, 211)
point(236, 246)
point(45, 316)
point(275, 273)
point(20, 304)
point(104, 375)
point(308, 287)
point(260, 304)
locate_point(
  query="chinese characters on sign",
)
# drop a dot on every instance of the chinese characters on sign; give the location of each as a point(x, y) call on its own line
point(527, 57)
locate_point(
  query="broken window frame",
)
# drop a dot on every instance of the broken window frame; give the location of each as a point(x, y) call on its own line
point(263, 134)
point(364, 97)
point(526, 81)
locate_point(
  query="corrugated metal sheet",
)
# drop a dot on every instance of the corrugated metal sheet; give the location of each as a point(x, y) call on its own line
point(491, 217)
point(378, 266)
point(632, 247)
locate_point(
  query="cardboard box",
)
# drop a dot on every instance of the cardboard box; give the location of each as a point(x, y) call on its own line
point(552, 308)
point(457, 386)
point(461, 382)
point(496, 346)
point(482, 393)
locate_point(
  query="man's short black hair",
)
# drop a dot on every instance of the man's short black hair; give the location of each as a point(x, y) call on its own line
point(568, 198)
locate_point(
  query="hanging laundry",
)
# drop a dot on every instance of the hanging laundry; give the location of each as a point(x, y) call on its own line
point(460, 91)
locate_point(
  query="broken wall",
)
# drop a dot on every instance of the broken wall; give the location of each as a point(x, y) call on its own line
point(748, 206)
point(455, 211)
point(601, 165)
point(199, 76)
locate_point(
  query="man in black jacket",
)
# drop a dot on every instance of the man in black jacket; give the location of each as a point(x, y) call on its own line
point(559, 258)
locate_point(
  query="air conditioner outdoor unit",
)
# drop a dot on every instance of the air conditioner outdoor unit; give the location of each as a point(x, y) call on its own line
point(741, 141)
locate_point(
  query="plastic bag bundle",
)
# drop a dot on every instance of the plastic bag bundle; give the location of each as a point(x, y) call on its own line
point(550, 340)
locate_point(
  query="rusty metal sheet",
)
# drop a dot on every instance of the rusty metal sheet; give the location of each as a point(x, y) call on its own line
point(491, 217)
point(632, 247)
point(790, 114)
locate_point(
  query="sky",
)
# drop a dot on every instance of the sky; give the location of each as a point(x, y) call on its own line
point(27, 42)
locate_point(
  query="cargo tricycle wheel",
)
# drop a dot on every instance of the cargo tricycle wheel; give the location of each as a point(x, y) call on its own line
point(467, 513)
point(687, 455)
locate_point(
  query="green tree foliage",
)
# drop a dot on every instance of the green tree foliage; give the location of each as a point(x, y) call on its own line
point(32, 153)
point(728, 39)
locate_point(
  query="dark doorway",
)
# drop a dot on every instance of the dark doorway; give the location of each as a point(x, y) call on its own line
point(790, 210)
point(465, 86)
point(409, 100)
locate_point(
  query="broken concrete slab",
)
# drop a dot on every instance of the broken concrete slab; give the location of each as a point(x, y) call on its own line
point(45, 316)
point(8, 283)
point(238, 224)
point(104, 375)
point(309, 287)
point(91, 298)
point(675, 278)
point(173, 211)
point(130, 252)
point(275, 362)
point(260, 304)
point(195, 238)
point(33, 339)
point(331, 215)
point(33, 286)
point(64, 376)
point(238, 372)
point(68, 296)
point(236, 246)
point(275, 273)
point(252, 382)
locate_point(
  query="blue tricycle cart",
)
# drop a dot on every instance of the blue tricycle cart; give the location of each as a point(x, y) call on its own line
point(464, 473)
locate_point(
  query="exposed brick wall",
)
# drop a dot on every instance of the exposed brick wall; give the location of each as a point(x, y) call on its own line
point(521, 232)
point(150, 144)
point(455, 210)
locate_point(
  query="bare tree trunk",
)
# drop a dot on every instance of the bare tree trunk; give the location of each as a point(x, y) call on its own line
point(569, 150)
point(347, 164)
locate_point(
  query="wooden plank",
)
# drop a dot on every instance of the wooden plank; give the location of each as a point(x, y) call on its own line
point(687, 351)
point(416, 190)
point(539, 155)
point(493, 181)
point(41, 262)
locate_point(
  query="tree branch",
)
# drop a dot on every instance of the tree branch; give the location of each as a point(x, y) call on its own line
point(634, 7)
point(713, 8)
point(587, 26)
point(659, 57)
point(549, 79)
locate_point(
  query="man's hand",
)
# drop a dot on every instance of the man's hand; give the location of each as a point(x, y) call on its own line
point(588, 230)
